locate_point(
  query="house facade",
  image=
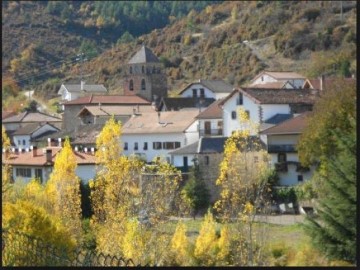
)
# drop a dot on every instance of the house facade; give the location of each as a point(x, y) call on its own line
point(295, 79)
point(207, 89)
point(155, 134)
point(39, 163)
point(262, 104)
point(211, 121)
point(70, 92)
point(281, 144)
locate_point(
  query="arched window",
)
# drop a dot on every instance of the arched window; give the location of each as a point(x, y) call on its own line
point(142, 69)
point(131, 85)
point(143, 85)
point(130, 70)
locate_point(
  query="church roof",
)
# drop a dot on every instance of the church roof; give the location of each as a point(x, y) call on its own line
point(144, 55)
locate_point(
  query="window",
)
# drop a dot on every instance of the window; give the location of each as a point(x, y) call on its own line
point(143, 85)
point(171, 145)
point(136, 146)
point(281, 157)
point(131, 85)
point(145, 146)
point(143, 69)
point(130, 70)
point(24, 142)
point(157, 145)
point(202, 93)
point(262, 78)
point(23, 172)
point(194, 93)
point(19, 142)
point(233, 115)
point(220, 127)
point(240, 100)
point(248, 114)
point(207, 160)
point(300, 178)
point(38, 174)
point(126, 146)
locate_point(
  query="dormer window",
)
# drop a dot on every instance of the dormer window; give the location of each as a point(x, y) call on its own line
point(131, 85)
point(194, 93)
point(143, 85)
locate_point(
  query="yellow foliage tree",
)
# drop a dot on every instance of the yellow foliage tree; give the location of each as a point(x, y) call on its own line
point(180, 245)
point(63, 190)
point(224, 247)
point(6, 169)
point(205, 245)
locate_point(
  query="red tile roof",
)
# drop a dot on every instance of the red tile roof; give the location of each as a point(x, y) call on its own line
point(108, 99)
point(293, 125)
point(214, 111)
point(26, 158)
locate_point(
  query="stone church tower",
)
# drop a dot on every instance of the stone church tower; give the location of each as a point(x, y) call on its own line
point(145, 76)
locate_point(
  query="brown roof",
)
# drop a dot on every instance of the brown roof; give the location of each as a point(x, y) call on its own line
point(170, 122)
point(108, 99)
point(29, 129)
point(281, 75)
point(115, 110)
point(6, 114)
point(294, 125)
point(315, 83)
point(26, 158)
point(216, 86)
point(212, 112)
point(28, 117)
point(270, 85)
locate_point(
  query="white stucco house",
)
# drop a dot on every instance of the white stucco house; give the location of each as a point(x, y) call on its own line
point(207, 89)
point(25, 136)
point(154, 134)
point(281, 144)
point(38, 163)
point(295, 79)
point(211, 121)
point(262, 104)
point(70, 92)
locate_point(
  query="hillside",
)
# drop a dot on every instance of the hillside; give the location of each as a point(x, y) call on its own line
point(233, 40)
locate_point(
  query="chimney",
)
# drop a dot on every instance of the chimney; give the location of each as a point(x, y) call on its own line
point(82, 85)
point(92, 150)
point(85, 149)
point(20, 150)
point(321, 82)
point(16, 151)
point(49, 142)
point(48, 155)
point(60, 143)
point(76, 149)
point(34, 151)
point(27, 149)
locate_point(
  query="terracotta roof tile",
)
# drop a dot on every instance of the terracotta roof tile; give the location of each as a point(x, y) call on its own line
point(26, 158)
point(214, 111)
point(293, 125)
point(108, 99)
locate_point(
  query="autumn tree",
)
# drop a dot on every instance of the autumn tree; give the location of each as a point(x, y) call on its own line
point(180, 246)
point(63, 190)
point(243, 181)
point(6, 172)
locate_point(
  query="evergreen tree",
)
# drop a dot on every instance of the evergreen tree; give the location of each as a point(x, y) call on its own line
point(334, 231)
point(195, 192)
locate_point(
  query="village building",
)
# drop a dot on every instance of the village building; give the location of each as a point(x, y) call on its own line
point(202, 89)
point(39, 163)
point(145, 76)
point(181, 103)
point(262, 104)
point(295, 79)
point(154, 134)
point(70, 92)
point(281, 143)
point(211, 121)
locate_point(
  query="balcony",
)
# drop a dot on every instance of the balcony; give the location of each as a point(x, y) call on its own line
point(281, 167)
point(210, 132)
point(286, 148)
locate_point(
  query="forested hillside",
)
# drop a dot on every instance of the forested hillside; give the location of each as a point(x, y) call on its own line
point(231, 40)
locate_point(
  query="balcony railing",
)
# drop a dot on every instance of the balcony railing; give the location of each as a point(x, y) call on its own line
point(211, 132)
point(281, 167)
point(287, 148)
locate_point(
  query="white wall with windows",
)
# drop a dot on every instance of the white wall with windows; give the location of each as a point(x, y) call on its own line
point(199, 90)
point(149, 146)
